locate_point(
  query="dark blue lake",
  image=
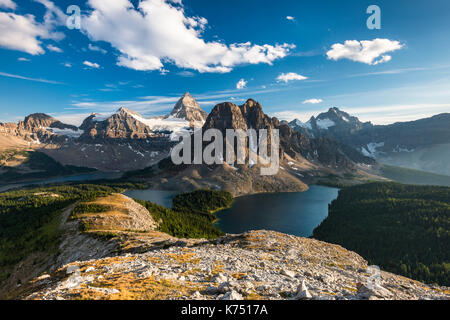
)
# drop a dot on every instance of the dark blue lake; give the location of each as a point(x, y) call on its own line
point(163, 198)
point(295, 213)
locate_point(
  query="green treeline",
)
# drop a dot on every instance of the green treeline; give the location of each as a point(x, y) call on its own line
point(404, 229)
point(192, 215)
point(29, 218)
point(202, 201)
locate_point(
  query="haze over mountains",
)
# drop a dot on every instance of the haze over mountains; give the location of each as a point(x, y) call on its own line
point(423, 144)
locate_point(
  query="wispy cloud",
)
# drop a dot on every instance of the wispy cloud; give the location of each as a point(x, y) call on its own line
point(158, 105)
point(290, 76)
point(186, 74)
point(16, 76)
point(399, 71)
point(91, 64)
point(377, 114)
point(312, 101)
point(54, 48)
point(97, 49)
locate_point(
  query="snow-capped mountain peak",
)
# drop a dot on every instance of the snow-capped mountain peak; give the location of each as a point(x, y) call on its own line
point(187, 108)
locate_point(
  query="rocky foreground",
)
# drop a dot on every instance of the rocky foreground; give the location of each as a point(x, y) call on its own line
point(254, 265)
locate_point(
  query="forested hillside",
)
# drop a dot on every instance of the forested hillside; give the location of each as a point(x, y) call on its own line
point(404, 229)
point(29, 218)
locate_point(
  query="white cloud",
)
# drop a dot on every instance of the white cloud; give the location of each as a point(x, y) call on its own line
point(95, 48)
point(312, 101)
point(8, 4)
point(22, 33)
point(367, 51)
point(241, 84)
point(159, 32)
point(290, 76)
point(54, 48)
point(91, 64)
point(290, 18)
point(67, 65)
point(23, 59)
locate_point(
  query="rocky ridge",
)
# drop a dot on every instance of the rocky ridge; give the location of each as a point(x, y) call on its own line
point(254, 265)
point(420, 144)
point(122, 255)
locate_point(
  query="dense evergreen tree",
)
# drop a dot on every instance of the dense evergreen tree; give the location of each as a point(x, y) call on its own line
point(404, 229)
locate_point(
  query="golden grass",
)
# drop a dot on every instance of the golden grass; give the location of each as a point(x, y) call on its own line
point(184, 257)
point(112, 220)
point(218, 267)
point(239, 275)
point(132, 288)
point(254, 296)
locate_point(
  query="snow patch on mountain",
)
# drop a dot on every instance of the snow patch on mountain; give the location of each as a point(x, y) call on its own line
point(325, 123)
point(370, 150)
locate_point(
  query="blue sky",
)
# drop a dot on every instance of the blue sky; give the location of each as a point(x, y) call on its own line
point(297, 58)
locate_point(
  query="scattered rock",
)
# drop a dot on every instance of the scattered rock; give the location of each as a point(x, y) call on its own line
point(211, 290)
point(232, 295)
point(372, 292)
point(288, 273)
point(231, 269)
point(302, 292)
point(219, 278)
point(72, 269)
point(90, 269)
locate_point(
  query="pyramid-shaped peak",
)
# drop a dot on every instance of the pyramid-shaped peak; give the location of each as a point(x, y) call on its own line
point(124, 110)
point(188, 108)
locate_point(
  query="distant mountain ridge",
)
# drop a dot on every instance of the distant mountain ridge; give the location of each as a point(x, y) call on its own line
point(121, 141)
point(421, 144)
point(126, 140)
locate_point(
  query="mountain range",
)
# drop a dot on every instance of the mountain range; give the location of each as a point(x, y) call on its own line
point(332, 148)
point(422, 144)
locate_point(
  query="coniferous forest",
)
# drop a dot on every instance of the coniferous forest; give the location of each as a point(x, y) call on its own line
point(404, 229)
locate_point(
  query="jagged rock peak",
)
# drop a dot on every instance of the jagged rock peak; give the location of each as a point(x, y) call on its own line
point(123, 110)
point(188, 108)
point(39, 120)
point(42, 120)
point(224, 116)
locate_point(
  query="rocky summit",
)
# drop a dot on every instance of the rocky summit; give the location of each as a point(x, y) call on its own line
point(188, 108)
point(255, 265)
